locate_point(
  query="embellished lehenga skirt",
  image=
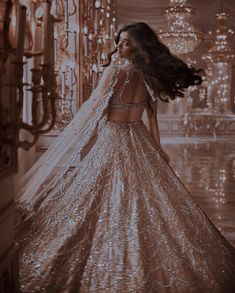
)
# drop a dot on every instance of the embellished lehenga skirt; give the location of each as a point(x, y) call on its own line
point(120, 222)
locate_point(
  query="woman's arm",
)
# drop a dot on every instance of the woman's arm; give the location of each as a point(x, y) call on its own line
point(154, 129)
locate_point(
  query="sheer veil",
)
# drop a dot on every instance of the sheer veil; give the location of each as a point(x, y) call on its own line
point(65, 151)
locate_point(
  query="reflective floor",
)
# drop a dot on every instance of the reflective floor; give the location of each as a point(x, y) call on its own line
point(207, 168)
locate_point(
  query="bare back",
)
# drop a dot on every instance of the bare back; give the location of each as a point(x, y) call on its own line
point(130, 96)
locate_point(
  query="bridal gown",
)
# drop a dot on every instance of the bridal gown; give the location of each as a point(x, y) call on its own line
point(122, 222)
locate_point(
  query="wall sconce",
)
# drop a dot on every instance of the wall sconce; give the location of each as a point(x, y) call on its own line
point(42, 85)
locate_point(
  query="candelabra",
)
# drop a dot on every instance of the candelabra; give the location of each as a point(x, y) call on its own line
point(43, 95)
point(179, 35)
point(54, 51)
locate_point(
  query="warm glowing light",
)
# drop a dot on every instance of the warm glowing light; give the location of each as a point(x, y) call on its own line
point(97, 4)
point(219, 58)
point(85, 30)
point(39, 12)
point(73, 27)
point(180, 36)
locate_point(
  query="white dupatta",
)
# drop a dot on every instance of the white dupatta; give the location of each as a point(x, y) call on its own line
point(66, 149)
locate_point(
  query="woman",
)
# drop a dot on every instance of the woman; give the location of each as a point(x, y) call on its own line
point(117, 218)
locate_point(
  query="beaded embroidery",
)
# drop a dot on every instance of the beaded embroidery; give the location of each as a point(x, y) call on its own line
point(118, 102)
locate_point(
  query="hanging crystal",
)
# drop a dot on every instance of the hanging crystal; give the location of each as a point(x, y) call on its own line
point(179, 35)
point(219, 59)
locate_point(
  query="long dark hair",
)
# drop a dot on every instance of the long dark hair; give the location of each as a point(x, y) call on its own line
point(164, 72)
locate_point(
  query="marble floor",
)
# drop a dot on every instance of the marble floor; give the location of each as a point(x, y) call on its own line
point(207, 168)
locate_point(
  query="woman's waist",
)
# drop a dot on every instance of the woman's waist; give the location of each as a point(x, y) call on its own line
point(122, 116)
point(124, 121)
point(121, 104)
point(116, 117)
point(120, 122)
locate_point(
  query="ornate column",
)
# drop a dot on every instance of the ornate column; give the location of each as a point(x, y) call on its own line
point(97, 21)
point(84, 34)
point(217, 116)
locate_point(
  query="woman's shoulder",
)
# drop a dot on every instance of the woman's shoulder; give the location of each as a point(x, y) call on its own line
point(129, 68)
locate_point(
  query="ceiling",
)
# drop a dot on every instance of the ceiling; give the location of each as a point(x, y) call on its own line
point(151, 12)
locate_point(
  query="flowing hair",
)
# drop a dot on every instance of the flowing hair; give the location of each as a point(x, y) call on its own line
point(165, 73)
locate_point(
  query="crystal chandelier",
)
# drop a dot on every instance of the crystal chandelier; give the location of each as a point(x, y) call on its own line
point(179, 35)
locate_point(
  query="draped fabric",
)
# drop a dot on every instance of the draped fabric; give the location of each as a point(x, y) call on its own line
point(120, 222)
point(66, 149)
point(69, 147)
point(118, 219)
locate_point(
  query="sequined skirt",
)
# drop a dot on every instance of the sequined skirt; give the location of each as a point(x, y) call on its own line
point(120, 222)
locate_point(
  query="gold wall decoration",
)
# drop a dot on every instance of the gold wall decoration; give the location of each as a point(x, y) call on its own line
point(97, 27)
point(66, 48)
point(84, 34)
point(59, 48)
